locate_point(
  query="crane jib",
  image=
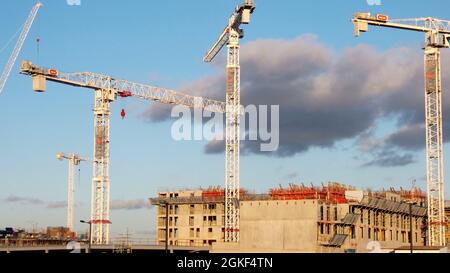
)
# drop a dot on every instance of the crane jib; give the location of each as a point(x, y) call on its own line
point(24, 34)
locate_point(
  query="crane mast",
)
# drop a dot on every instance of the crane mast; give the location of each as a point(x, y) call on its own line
point(437, 34)
point(231, 36)
point(74, 160)
point(19, 45)
point(100, 210)
point(107, 90)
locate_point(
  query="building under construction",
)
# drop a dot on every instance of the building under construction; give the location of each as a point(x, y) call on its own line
point(299, 218)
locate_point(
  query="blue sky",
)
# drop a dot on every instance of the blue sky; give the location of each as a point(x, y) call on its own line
point(162, 43)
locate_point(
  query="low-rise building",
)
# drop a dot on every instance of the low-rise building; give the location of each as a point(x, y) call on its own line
point(60, 233)
point(332, 218)
point(195, 218)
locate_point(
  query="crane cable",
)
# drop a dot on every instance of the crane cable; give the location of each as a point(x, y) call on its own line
point(38, 41)
point(38, 38)
point(79, 176)
point(11, 40)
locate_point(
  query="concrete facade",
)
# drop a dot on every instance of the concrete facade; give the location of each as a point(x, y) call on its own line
point(190, 224)
point(311, 226)
point(277, 226)
point(389, 228)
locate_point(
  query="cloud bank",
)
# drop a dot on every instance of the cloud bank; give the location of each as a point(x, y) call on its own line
point(115, 204)
point(130, 204)
point(23, 200)
point(327, 96)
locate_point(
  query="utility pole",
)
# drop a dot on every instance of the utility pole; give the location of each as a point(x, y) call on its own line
point(413, 190)
point(411, 228)
point(90, 233)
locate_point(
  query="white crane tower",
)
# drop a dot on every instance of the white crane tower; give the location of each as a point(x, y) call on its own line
point(19, 45)
point(107, 90)
point(74, 160)
point(231, 35)
point(437, 34)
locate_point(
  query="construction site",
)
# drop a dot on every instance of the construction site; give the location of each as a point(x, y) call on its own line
point(297, 218)
point(333, 218)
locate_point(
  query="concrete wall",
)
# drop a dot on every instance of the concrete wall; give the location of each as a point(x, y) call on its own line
point(276, 226)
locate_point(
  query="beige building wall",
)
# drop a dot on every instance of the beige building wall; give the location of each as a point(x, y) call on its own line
point(309, 226)
point(190, 224)
point(276, 226)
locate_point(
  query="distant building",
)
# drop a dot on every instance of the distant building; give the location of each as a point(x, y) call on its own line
point(60, 233)
point(332, 218)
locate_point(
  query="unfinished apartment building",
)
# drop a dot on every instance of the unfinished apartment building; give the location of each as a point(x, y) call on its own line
point(331, 218)
point(373, 219)
point(195, 218)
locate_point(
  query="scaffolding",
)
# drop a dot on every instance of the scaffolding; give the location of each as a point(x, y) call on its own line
point(212, 195)
point(332, 193)
point(415, 195)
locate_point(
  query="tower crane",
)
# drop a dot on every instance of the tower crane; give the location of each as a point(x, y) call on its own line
point(231, 35)
point(74, 160)
point(437, 34)
point(108, 89)
point(19, 45)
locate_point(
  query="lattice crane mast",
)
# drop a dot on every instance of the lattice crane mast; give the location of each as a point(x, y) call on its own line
point(74, 160)
point(19, 45)
point(437, 34)
point(107, 90)
point(231, 35)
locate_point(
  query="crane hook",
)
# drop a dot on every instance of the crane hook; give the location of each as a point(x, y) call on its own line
point(123, 114)
point(38, 49)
